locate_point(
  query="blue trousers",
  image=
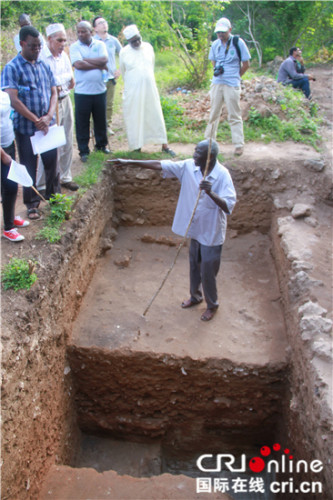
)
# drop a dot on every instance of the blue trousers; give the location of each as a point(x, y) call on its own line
point(303, 84)
point(204, 266)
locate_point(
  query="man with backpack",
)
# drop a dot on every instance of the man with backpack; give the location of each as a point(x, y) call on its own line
point(231, 58)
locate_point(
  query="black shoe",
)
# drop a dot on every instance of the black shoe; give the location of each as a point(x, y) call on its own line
point(72, 186)
point(84, 158)
point(169, 152)
point(106, 151)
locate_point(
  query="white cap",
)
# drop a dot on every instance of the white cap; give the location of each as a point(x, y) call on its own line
point(130, 31)
point(54, 28)
point(223, 25)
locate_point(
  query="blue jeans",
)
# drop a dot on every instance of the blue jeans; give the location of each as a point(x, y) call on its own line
point(303, 84)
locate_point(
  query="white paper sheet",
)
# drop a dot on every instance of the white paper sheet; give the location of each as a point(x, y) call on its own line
point(18, 173)
point(53, 139)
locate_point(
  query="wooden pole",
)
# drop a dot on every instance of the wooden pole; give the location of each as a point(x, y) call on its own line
point(185, 236)
point(37, 192)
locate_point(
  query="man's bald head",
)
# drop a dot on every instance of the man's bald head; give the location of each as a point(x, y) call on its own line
point(85, 25)
point(214, 150)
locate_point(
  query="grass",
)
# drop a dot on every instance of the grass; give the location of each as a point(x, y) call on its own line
point(92, 170)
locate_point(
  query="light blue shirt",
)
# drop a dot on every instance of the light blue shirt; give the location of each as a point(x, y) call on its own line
point(209, 223)
point(88, 82)
point(230, 61)
point(113, 46)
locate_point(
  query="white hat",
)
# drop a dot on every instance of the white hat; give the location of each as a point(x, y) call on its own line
point(223, 24)
point(131, 31)
point(54, 28)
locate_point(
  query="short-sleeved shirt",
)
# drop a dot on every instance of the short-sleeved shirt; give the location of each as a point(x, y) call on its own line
point(88, 82)
point(229, 59)
point(6, 124)
point(61, 68)
point(113, 46)
point(34, 84)
point(288, 71)
point(209, 223)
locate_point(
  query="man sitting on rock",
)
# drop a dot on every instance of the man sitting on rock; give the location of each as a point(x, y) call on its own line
point(288, 74)
point(208, 227)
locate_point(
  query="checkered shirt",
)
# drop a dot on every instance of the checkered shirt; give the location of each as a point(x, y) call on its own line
point(33, 83)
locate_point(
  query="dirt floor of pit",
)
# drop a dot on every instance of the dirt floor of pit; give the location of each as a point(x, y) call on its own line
point(248, 326)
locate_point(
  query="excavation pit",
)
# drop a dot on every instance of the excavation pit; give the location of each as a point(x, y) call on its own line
point(161, 390)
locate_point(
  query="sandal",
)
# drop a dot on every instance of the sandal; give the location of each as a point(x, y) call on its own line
point(169, 152)
point(33, 214)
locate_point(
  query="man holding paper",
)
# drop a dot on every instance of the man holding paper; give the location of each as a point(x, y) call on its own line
point(54, 55)
point(33, 94)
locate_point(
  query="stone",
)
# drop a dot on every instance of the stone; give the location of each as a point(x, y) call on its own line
point(315, 324)
point(311, 308)
point(311, 221)
point(323, 349)
point(315, 165)
point(301, 210)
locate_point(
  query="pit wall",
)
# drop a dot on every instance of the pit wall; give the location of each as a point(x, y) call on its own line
point(189, 405)
point(38, 419)
point(308, 412)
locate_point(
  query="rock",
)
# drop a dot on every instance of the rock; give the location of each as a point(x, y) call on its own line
point(127, 218)
point(323, 349)
point(315, 165)
point(311, 221)
point(124, 262)
point(315, 325)
point(301, 210)
point(311, 308)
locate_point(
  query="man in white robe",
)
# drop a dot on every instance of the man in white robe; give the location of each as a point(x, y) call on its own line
point(141, 102)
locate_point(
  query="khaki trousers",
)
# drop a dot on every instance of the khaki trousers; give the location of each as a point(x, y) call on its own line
point(220, 94)
point(110, 88)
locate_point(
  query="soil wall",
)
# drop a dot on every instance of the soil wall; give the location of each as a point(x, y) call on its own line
point(39, 422)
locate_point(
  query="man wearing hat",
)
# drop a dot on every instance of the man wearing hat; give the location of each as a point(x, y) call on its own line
point(231, 58)
point(141, 102)
point(89, 58)
point(58, 61)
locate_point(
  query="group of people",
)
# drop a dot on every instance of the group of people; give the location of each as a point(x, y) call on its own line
point(37, 86)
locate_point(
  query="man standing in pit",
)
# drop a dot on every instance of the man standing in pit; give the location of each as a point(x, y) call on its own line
point(208, 227)
point(33, 94)
point(89, 58)
point(231, 58)
point(54, 55)
point(113, 46)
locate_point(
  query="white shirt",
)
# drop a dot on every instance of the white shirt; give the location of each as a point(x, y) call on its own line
point(6, 124)
point(88, 82)
point(209, 223)
point(61, 68)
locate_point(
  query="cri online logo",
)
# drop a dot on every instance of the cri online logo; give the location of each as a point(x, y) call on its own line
point(257, 464)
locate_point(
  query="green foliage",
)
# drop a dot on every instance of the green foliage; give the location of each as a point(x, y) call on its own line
point(59, 210)
point(60, 207)
point(172, 112)
point(19, 274)
point(50, 233)
point(92, 170)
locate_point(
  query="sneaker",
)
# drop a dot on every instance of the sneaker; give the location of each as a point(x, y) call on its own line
point(13, 235)
point(19, 222)
point(110, 131)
